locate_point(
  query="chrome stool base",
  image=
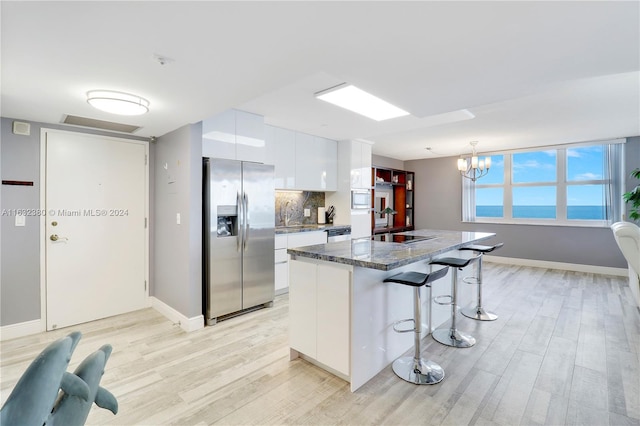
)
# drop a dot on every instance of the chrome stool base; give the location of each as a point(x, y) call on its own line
point(453, 337)
point(416, 369)
point(420, 372)
point(478, 313)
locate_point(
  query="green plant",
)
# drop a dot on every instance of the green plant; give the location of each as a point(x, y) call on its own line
point(388, 211)
point(633, 197)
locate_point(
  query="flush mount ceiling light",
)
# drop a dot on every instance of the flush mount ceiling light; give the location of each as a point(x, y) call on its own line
point(117, 102)
point(350, 97)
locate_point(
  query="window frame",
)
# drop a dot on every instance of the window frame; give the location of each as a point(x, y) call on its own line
point(561, 184)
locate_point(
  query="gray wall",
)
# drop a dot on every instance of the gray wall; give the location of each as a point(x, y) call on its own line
point(438, 204)
point(20, 246)
point(20, 276)
point(391, 163)
point(178, 248)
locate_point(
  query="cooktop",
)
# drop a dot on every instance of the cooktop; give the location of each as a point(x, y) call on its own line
point(400, 238)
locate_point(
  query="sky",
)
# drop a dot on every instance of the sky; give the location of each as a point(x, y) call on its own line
point(583, 163)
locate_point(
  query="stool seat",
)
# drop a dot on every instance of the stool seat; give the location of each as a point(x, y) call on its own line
point(416, 369)
point(482, 249)
point(416, 279)
point(454, 262)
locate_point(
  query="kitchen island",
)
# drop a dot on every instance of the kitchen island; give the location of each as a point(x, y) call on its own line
point(342, 313)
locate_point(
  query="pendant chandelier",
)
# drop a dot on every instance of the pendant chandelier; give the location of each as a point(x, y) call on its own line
point(474, 168)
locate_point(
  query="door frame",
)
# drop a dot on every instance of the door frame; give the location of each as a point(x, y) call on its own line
point(43, 217)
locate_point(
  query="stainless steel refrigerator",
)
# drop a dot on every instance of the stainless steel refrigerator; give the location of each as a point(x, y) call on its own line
point(239, 233)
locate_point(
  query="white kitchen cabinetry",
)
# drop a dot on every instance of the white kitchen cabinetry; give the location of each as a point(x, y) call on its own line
point(250, 145)
point(333, 296)
point(284, 144)
point(281, 264)
point(308, 171)
point(319, 322)
point(270, 145)
point(301, 239)
point(302, 162)
point(303, 316)
point(360, 165)
point(360, 224)
point(316, 163)
point(354, 172)
point(328, 158)
point(219, 136)
point(234, 135)
point(284, 241)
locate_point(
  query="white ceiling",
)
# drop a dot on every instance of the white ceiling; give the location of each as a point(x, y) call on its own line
point(532, 73)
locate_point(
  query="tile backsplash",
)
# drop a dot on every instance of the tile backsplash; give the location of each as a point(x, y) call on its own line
point(294, 203)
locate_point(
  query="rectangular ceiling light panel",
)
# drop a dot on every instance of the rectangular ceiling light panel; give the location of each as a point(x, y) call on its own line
point(350, 97)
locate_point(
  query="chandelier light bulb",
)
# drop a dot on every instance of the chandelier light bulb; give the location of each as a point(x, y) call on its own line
point(476, 168)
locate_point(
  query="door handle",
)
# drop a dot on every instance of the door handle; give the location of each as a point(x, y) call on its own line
point(238, 224)
point(55, 237)
point(246, 220)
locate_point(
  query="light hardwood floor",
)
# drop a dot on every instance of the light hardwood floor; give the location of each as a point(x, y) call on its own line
point(565, 350)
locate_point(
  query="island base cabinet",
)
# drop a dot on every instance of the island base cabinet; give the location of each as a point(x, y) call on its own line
point(320, 300)
point(333, 326)
point(302, 307)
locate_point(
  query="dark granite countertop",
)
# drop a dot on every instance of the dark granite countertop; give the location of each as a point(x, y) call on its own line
point(307, 228)
point(385, 256)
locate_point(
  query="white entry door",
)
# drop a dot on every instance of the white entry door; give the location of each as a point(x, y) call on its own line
point(95, 232)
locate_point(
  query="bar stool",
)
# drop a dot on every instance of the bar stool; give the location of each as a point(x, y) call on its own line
point(451, 336)
point(478, 313)
point(416, 369)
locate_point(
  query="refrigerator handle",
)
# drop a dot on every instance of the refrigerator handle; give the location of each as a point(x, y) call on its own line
point(239, 212)
point(246, 219)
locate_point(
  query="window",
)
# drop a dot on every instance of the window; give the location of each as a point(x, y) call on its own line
point(576, 185)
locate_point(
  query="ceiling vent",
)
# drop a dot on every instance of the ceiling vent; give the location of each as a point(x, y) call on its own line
point(99, 124)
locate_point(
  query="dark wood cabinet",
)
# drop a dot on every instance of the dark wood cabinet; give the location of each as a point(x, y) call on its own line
point(395, 189)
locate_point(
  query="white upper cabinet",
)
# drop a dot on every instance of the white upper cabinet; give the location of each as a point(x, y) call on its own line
point(316, 163)
point(302, 161)
point(219, 136)
point(328, 159)
point(270, 145)
point(360, 164)
point(365, 162)
point(250, 145)
point(234, 135)
point(308, 173)
point(285, 158)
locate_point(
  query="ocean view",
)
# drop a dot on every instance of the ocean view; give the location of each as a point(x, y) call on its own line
point(544, 212)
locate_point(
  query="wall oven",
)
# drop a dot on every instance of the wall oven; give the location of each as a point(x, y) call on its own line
point(361, 199)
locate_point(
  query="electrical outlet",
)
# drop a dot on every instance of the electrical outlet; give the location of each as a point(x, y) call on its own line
point(178, 218)
point(307, 212)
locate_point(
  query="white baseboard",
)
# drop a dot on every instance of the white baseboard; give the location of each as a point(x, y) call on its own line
point(21, 329)
point(187, 324)
point(576, 267)
point(280, 291)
